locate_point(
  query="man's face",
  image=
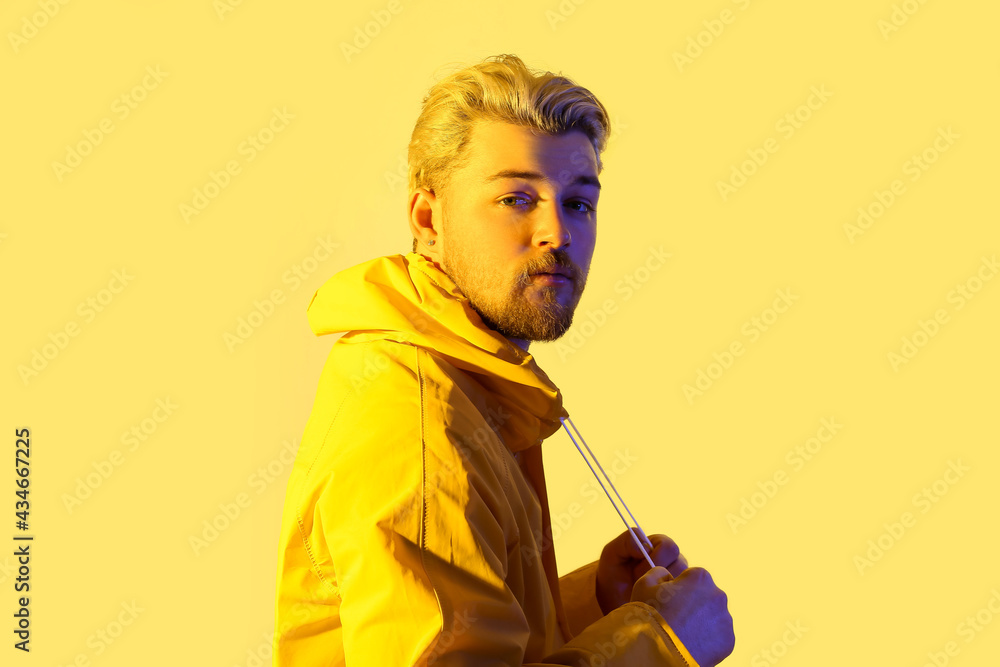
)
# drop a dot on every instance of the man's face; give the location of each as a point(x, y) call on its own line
point(522, 204)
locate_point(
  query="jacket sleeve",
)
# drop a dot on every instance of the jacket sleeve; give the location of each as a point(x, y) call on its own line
point(409, 531)
point(578, 590)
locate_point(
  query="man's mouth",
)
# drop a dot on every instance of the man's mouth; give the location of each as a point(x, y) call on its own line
point(551, 278)
point(557, 271)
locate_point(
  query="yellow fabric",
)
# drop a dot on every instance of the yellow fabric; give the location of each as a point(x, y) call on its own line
point(416, 524)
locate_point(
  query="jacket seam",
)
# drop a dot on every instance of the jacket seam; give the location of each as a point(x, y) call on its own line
point(423, 463)
point(502, 455)
point(432, 647)
point(313, 563)
point(651, 612)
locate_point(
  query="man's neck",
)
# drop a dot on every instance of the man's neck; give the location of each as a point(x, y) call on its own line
point(521, 343)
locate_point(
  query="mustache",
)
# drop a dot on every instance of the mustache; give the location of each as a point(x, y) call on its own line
point(551, 261)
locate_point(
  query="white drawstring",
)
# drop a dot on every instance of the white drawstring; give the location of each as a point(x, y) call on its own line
point(630, 528)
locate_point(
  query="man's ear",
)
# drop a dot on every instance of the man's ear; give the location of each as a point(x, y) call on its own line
point(424, 216)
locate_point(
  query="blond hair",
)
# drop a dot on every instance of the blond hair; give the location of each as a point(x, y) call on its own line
point(500, 88)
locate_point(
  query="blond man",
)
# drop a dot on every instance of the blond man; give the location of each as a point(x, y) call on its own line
point(416, 524)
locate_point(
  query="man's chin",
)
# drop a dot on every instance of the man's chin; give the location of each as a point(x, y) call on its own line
point(532, 324)
point(543, 333)
point(548, 330)
point(548, 338)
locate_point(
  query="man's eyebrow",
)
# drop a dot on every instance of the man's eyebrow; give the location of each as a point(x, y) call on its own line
point(582, 179)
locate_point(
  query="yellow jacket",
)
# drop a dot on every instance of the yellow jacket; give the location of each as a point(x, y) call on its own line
point(416, 524)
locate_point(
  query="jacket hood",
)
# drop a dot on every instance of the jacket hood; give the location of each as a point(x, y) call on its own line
point(407, 298)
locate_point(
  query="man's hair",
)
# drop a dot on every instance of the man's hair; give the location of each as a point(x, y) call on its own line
point(500, 88)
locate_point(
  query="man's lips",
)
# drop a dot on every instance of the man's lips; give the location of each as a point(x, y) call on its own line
point(558, 271)
point(551, 278)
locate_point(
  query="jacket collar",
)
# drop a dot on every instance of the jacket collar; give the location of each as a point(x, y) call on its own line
point(407, 298)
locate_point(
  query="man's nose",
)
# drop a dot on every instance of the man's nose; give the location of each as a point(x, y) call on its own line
point(552, 228)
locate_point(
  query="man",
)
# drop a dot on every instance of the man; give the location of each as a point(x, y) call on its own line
point(416, 524)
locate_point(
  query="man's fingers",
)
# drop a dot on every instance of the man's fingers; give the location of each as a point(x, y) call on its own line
point(624, 548)
point(678, 566)
point(655, 575)
point(675, 569)
point(666, 553)
point(645, 541)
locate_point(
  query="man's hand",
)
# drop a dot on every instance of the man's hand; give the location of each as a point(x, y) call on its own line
point(694, 608)
point(622, 563)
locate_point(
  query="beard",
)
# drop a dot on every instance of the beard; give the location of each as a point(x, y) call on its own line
point(507, 300)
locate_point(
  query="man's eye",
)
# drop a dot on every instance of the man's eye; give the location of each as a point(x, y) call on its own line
point(587, 208)
point(512, 197)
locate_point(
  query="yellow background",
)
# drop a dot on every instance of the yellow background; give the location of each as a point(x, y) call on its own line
point(334, 171)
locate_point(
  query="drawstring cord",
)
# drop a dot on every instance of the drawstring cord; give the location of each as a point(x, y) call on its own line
point(632, 530)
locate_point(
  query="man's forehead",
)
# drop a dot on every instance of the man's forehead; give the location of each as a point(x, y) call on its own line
point(504, 150)
point(583, 177)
